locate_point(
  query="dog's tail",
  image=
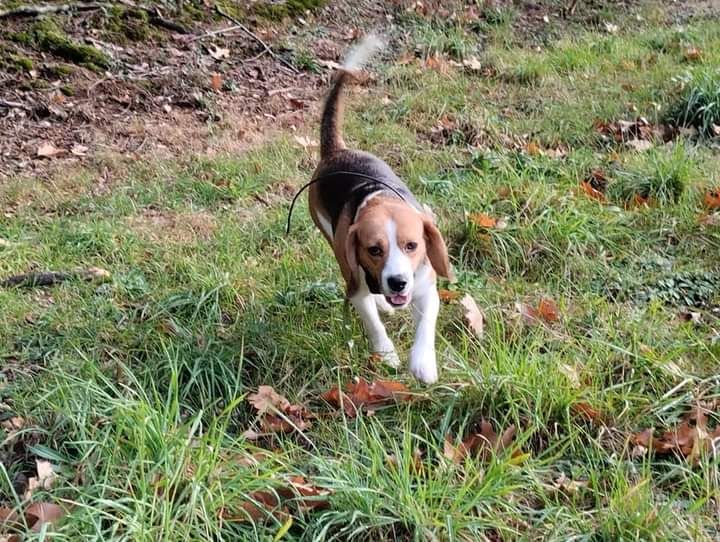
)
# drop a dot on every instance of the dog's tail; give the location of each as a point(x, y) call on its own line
point(331, 125)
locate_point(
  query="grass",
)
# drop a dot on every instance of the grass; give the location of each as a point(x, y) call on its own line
point(136, 389)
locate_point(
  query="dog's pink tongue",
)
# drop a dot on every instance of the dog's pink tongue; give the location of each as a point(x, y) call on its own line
point(398, 299)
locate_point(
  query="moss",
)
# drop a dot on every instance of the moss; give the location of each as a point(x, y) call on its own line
point(21, 63)
point(127, 24)
point(289, 8)
point(58, 71)
point(47, 36)
point(68, 90)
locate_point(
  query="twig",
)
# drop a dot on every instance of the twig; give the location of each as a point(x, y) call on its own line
point(570, 10)
point(9, 105)
point(158, 20)
point(48, 278)
point(257, 39)
point(215, 33)
point(156, 17)
point(34, 11)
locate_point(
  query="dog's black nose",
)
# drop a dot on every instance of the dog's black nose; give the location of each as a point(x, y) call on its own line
point(397, 283)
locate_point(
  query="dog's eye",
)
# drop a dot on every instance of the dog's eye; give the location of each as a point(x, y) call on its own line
point(375, 251)
point(410, 246)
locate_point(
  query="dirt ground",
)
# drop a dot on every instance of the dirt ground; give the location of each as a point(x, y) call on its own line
point(212, 88)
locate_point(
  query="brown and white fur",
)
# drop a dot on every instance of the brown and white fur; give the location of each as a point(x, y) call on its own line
point(386, 244)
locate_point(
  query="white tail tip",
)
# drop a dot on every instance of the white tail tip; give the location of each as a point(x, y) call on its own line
point(360, 54)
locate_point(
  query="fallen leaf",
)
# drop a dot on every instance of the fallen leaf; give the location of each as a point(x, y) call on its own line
point(569, 486)
point(448, 295)
point(483, 220)
point(587, 411)
point(711, 199)
point(639, 145)
point(533, 149)
point(483, 444)
point(548, 310)
point(571, 374)
point(710, 219)
point(276, 414)
point(39, 513)
point(45, 473)
point(266, 399)
point(218, 53)
point(691, 438)
point(48, 150)
point(437, 63)
point(216, 81)
point(306, 142)
point(693, 54)
point(361, 394)
point(79, 150)
point(472, 64)
point(611, 28)
point(473, 316)
point(591, 192)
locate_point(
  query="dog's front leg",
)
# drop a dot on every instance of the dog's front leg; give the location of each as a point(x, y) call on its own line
point(364, 303)
point(423, 363)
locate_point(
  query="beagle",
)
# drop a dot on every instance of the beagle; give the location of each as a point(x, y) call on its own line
point(386, 244)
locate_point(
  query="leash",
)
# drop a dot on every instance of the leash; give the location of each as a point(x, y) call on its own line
point(333, 174)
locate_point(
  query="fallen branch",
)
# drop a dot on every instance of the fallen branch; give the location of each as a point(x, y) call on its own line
point(216, 32)
point(9, 105)
point(256, 38)
point(158, 20)
point(48, 278)
point(35, 11)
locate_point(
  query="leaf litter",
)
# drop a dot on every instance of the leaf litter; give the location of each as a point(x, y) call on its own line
point(368, 396)
point(276, 414)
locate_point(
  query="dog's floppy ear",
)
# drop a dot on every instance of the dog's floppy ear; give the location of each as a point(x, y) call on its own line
point(437, 250)
point(345, 249)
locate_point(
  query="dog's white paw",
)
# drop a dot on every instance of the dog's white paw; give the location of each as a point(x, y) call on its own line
point(389, 358)
point(382, 304)
point(423, 365)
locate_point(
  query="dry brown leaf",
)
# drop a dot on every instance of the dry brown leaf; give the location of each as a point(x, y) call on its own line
point(473, 316)
point(711, 199)
point(533, 149)
point(592, 192)
point(483, 220)
point(448, 295)
point(276, 413)
point(587, 411)
point(482, 444)
point(267, 399)
point(691, 438)
point(437, 63)
point(39, 513)
point(216, 81)
point(361, 394)
point(48, 150)
point(693, 54)
point(548, 310)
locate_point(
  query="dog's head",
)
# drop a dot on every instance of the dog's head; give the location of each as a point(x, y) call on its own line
point(391, 242)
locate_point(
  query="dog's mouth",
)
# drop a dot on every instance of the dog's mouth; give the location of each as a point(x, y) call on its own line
point(398, 300)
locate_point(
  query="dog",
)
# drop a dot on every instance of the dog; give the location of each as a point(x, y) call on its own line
point(386, 243)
